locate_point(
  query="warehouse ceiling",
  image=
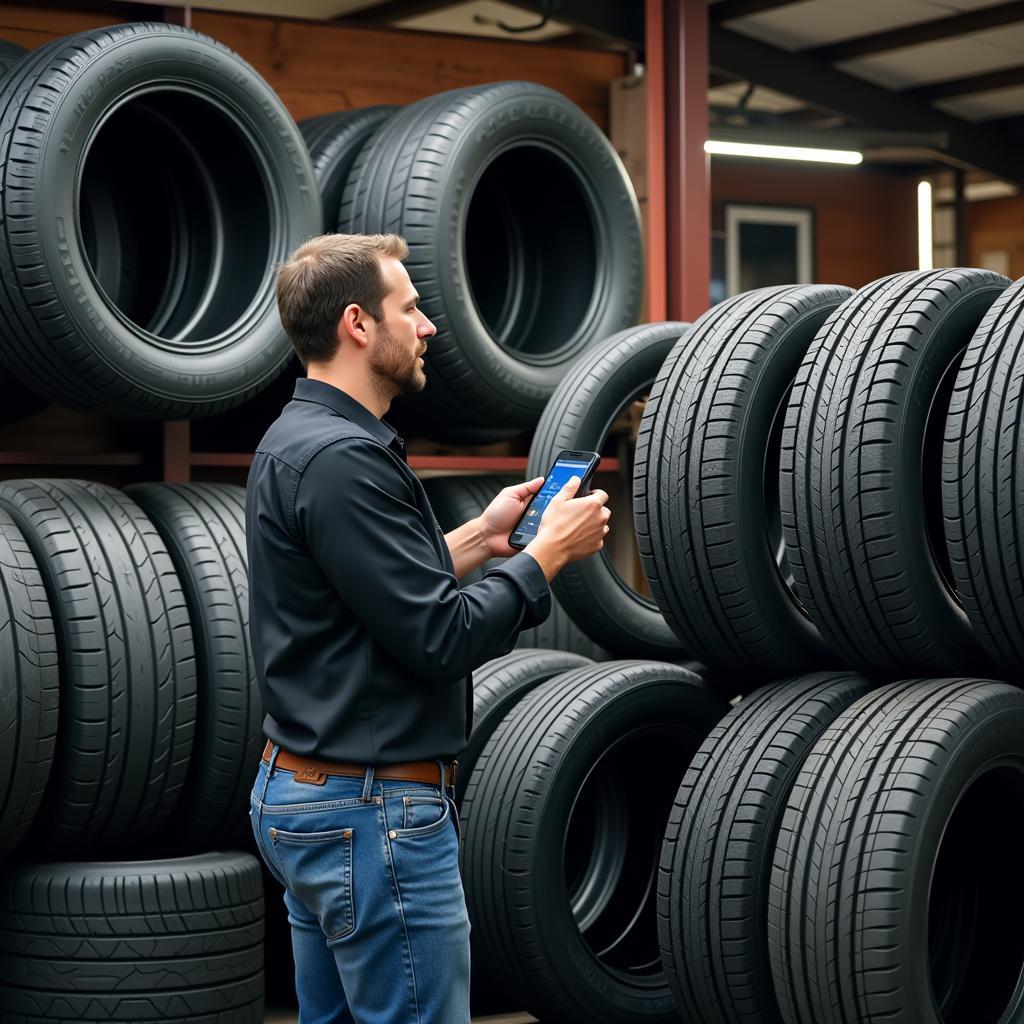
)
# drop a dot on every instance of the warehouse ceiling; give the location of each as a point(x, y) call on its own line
point(944, 77)
point(903, 80)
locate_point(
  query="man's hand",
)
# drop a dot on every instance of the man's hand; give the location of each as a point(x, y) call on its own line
point(497, 520)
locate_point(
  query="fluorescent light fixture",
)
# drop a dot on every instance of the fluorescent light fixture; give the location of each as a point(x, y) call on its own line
point(819, 156)
point(924, 225)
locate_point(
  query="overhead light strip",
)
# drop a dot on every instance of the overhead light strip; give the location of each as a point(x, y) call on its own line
point(849, 157)
point(924, 226)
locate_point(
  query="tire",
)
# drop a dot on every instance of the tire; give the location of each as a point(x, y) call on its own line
point(203, 526)
point(127, 663)
point(861, 473)
point(497, 687)
point(519, 280)
point(10, 54)
point(983, 482)
point(579, 416)
point(896, 890)
point(706, 484)
point(562, 825)
point(140, 941)
point(334, 142)
point(717, 856)
point(456, 500)
point(108, 303)
point(29, 686)
point(17, 402)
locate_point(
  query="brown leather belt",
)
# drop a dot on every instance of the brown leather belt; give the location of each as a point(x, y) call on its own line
point(315, 772)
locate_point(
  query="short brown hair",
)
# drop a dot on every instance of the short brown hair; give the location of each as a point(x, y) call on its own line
point(321, 278)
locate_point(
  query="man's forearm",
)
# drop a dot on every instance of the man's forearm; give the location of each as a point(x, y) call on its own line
point(468, 547)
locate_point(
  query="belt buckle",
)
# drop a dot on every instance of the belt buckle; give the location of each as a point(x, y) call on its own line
point(452, 773)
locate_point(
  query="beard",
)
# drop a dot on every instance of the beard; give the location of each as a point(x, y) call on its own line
point(397, 371)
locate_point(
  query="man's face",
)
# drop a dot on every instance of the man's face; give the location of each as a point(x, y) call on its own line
point(401, 336)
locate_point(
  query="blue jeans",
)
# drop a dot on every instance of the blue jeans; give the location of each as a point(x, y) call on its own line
point(370, 869)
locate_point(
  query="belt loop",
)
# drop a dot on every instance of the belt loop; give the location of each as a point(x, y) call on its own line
point(274, 751)
point(368, 784)
point(440, 765)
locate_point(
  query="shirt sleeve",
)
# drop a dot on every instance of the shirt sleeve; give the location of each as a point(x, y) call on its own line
point(359, 518)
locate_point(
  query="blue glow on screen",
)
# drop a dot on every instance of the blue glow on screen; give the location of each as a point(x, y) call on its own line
point(559, 476)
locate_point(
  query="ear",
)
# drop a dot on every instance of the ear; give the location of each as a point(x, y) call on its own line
point(353, 325)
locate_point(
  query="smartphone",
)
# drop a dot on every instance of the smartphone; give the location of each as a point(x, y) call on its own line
point(566, 465)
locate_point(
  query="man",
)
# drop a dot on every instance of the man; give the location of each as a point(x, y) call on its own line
point(364, 643)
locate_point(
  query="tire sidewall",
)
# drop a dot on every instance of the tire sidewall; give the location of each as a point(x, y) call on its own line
point(253, 348)
point(639, 620)
point(769, 394)
point(543, 118)
point(646, 702)
point(996, 738)
point(948, 342)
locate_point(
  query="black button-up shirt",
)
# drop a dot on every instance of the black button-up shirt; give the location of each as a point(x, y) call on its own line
point(363, 640)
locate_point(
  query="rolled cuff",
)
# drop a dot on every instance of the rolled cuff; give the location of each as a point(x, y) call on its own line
point(524, 571)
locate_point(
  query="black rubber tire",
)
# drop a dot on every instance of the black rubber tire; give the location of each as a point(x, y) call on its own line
point(334, 142)
point(457, 499)
point(717, 855)
point(16, 401)
point(29, 686)
point(705, 484)
point(524, 241)
point(10, 54)
point(127, 663)
point(579, 416)
point(983, 482)
point(112, 304)
point(497, 687)
point(896, 890)
point(861, 473)
point(142, 941)
point(567, 805)
point(203, 526)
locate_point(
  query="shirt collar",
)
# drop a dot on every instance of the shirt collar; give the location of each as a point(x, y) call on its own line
point(343, 404)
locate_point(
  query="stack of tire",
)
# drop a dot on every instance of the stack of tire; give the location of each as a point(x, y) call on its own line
point(116, 304)
point(829, 492)
point(130, 726)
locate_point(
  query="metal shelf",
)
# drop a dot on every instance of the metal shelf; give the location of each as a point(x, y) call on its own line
point(483, 463)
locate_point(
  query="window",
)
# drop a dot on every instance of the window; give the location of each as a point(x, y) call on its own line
point(767, 245)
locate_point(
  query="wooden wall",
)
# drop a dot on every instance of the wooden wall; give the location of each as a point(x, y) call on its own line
point(997, 226)
point(30, 26)
point(318, 67)
point(865, 221)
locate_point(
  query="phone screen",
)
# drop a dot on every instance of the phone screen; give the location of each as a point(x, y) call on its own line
point(561, 472)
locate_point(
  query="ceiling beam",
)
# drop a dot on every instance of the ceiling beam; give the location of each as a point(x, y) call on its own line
point(805, 78)
point(1007, 122)
point(969, 84)
point(923, 32)
point(394, 10)
point(728, 10)
point(609, 20)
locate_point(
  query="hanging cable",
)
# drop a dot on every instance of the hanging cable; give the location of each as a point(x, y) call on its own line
point(481, 19)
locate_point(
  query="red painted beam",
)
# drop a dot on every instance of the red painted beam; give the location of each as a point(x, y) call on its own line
point(657, 220)
point(479, 463)
point(679, 190)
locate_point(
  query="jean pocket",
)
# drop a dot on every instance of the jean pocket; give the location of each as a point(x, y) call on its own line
point(423, 816)
point(318, 869)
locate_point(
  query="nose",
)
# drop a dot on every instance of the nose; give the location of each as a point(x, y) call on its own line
point(426, 329)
